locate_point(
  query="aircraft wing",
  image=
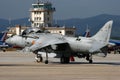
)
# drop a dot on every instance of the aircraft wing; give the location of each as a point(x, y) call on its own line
point(45, 41)
point(116, 42)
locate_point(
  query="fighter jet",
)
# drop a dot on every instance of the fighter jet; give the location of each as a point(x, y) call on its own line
point(3, 45)
point(63, 46)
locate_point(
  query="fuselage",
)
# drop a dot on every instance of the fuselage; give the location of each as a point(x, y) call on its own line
point(80, 44)
point(63, 46)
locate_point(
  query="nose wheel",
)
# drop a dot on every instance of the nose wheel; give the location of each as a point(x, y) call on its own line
point(39, 58)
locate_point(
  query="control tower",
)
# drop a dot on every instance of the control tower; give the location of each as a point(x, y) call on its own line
point(41, 14)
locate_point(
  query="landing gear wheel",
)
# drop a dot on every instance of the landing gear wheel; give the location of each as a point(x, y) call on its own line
point(4, 50)
point(46, 61)
point(89, 58)
point(39, 58)
point(90, 61)
point(67, 60)
point(64, 60)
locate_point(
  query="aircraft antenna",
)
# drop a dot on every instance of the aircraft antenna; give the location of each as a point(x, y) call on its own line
point(9, 23)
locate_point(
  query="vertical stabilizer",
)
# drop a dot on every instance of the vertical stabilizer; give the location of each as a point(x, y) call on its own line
point(87, 33)
point(103, 35)
point(3, 36)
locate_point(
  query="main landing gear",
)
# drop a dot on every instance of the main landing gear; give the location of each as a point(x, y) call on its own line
point(89, 58)
point(64, 60)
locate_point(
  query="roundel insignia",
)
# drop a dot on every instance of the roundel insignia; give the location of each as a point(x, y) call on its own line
point(33, 42)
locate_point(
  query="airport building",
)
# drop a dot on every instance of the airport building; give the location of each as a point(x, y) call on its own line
point(41, 16)
point(17, 30)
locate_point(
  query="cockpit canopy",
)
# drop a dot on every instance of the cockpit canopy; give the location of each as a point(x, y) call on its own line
point(31, 30)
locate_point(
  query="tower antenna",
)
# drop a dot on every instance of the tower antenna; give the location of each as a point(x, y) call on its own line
point(38, 2)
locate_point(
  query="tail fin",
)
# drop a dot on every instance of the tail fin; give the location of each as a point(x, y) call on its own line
point(3, 36)
point(87, 33)
point(103, 35)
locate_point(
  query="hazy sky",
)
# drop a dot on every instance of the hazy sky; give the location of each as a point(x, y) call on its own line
point(65, 9)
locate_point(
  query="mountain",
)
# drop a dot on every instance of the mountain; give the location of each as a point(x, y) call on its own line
point(94, 23)
point(22, 21)
point(3, 24)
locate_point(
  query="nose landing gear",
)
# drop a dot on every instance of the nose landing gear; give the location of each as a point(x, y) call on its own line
point(39, 58)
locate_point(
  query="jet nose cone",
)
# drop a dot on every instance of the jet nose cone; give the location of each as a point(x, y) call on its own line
point(8, 40)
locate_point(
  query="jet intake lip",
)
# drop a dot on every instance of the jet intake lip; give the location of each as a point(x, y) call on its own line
point(8, 40)
point(54, 47)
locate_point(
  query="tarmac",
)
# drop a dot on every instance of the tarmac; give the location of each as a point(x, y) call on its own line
point(22, 66)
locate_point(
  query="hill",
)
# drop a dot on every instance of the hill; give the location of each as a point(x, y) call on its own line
point(3, 24)
point(94, 23)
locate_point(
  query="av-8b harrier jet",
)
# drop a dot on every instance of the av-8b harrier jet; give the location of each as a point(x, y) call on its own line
point(64, 47)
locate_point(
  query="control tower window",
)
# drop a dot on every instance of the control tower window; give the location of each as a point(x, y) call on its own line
point(48, 13)
point(48, 19)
